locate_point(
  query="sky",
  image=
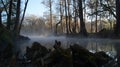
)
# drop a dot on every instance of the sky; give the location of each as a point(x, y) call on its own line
point(35, 7)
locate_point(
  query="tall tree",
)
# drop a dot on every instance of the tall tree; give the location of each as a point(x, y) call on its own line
point(61, 15)
point(84, 2)
point(9, 14)
point(75, 15)
point(26, 3)
point(117, 26)
point(0, 16)
point(82, 23)
point(17, 16)
point(50, 3)
point(96, 8)
point(66, 16)
point(69, 15)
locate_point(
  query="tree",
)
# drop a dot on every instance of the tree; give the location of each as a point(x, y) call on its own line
point(0, 16)
point(10, 11)
point(96, 8)
point(9, 15)
point(49, 4)
point(17, 16)
point(82, 23)
point(117, 26)
point(69, 15)
point(66, 16)
point(61, 15)
point(75, 15)
point(26, 3)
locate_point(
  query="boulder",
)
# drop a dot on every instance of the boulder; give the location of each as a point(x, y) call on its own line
point(59, 57)
point(102, 58)
point(35, 53)
point(82, 57)
point(74, 56)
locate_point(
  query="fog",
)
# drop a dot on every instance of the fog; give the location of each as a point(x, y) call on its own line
point(92, 44)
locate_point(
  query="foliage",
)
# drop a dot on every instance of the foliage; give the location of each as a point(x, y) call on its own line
point(5, 36)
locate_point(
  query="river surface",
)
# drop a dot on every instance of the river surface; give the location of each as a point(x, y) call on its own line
point(110, 46)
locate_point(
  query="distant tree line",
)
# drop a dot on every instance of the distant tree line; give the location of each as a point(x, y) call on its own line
point(80, 11)
point(72, 16)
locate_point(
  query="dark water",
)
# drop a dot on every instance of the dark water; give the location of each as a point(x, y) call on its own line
point(110, 46)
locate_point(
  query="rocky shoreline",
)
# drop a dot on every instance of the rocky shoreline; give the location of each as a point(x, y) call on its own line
point(74, 56)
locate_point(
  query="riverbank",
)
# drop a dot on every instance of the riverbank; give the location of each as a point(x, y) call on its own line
point(7, 43)
point(73, 56)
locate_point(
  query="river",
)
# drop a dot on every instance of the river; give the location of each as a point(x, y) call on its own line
point(110, 46)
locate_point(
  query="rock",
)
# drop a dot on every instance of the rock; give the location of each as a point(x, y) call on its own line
point(82, 57)
point(35, 53)
point(20, 37)
point(59, 57)
point(75, 56)
point(102, 58)
point(57, 44)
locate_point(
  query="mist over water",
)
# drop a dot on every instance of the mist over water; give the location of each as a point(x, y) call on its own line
point(92, 44)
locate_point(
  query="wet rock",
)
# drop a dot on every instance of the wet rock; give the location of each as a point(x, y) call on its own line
point(35, 53)
point(82, 57)
point(57, 44)
point(75, 56)
point(102, 58)
point(59, 57)
point(20, 37)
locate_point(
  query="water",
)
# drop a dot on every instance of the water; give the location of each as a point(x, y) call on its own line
point(110, 46)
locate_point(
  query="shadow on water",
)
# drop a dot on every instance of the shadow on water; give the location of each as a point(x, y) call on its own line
point(111, 47)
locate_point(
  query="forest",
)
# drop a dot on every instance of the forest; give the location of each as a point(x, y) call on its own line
point(71, 33)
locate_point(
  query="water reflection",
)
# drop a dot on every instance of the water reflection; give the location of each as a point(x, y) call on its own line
point(111, 47)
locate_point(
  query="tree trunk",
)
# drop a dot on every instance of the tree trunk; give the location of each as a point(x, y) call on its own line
point(82, 23)
point(61, 17)
point(91, 25)
point(75, 16)
point(66, 17)
point(0, 18)
point(17, 16)
point(9, 15)
point(69, 16)
point(23, 16)
point(50, 2)
point(4, 7)
point(96, 16)
point(61, 14)
point(84, 11)
point(117, 26)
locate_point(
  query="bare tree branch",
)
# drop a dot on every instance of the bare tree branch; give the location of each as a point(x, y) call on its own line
point(23, 15)
point(4, 7)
